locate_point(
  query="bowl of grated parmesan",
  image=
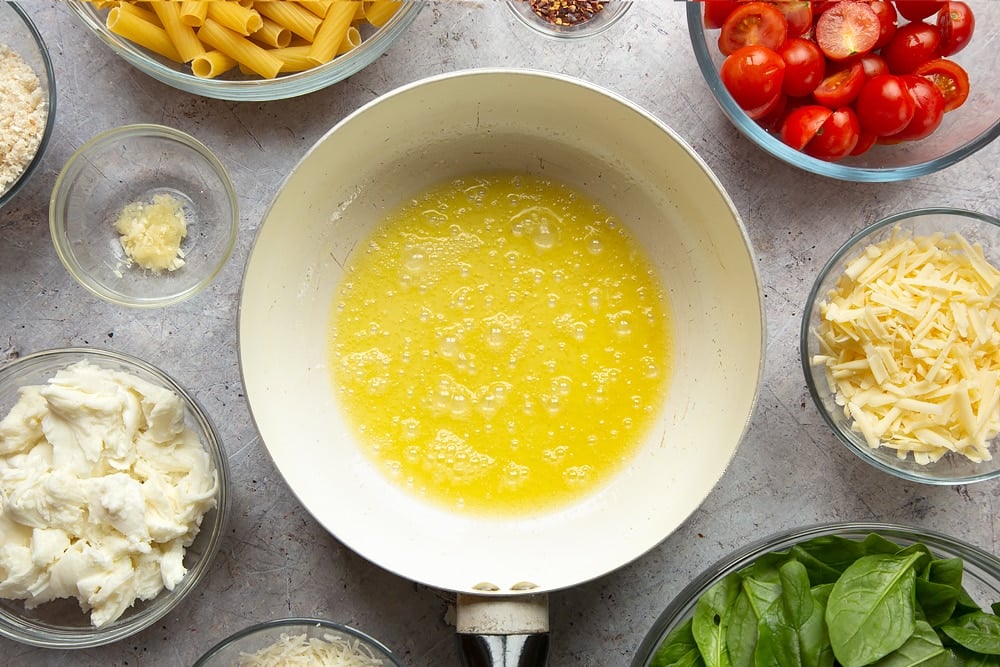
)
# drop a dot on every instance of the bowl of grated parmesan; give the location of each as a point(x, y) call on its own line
point(900, 345)
point(27, 99)
point(299, 641)
point(143, 216)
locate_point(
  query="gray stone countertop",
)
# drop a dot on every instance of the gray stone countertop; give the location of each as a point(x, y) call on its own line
point(276, 561)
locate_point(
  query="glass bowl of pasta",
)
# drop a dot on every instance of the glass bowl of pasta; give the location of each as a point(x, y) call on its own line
point(28, 95)
point(158, 230)
point(898, 345)
point(299, 640)
point(233, 50)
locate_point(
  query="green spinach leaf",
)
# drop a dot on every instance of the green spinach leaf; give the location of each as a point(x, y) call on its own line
point(922, 649)
point(792, 631)
point(678, 649)
point(710, 620)
point(755, 597)
point(976, 631)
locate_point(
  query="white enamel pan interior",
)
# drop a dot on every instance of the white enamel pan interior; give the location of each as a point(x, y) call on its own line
point(472, 121)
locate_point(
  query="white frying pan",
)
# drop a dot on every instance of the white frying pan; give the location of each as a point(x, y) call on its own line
point(597, 142)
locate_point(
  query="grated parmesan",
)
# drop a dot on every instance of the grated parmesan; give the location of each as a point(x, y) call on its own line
point(328, 651)
point(910, 341)
point(23, 113)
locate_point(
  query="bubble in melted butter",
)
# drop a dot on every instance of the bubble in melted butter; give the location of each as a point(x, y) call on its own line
point(502, 345)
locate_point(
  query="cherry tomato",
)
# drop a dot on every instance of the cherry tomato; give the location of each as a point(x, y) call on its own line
point(918, 10)
point(753, 75)
point(840, 88)
point(753, 23)
point(911, 46)
point(956, 23)
point(837, 137)
point(873, 65)
point(802, 124)
point(798, 14)
point(716, 11)
point(768, 113)
point(887, 20)
point(804, 66)
point(928, 109)
point(865, 141)
point(884, 105)
point(950, 78)
point(847, 29)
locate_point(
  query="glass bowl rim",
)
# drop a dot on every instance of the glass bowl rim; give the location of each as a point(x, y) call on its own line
point(832, 265)
point(57, 212)
point(578, 31)
point(792, 157)
point(166, 601)
point(50, 116)
point(255, 90)
point(785, 538)
point(291, 622)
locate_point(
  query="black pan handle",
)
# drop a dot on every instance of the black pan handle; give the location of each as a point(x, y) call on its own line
point(503, 630)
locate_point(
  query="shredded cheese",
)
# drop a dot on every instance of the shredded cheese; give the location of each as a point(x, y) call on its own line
point(910, 341)
point(328, 651)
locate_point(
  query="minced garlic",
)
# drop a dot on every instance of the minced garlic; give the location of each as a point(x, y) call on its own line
point(151, 232)
point(910, 341)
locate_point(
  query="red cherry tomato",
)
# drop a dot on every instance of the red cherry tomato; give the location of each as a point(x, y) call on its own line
point(918, 10)
point(928, 109)
point(716, 11)
point(956, 23)
point(804, 66)
point(887, 20)
point(847, 29)
point(753, 75)
point(837, 137)
point(798, 15)
point(767, 114)
point(950, 78)
point(884, 105)
point(840, 88)
point(865, 141)
point(873, 65)
point(911, 46)
point(753, 23)
point(802, 124)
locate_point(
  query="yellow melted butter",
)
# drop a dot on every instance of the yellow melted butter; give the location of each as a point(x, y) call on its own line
point(501, 345)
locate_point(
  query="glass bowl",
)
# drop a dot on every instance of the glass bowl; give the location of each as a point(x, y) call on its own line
point(952, 468)
point(612, 12)
point(228, 652)
point(246, 88)
point(60, 624)
point(962, 132)
point(981, 572)
point(144, 162)
point(19, 34)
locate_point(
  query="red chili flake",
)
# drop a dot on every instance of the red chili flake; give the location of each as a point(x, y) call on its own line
point(567, 12)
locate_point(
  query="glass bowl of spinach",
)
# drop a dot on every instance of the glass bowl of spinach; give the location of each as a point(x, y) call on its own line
point(847, 594)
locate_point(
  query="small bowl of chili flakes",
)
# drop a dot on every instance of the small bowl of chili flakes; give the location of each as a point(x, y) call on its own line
point(569, 19)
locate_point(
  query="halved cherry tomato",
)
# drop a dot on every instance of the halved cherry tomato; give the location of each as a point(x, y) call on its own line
point(887, 21)
point(753, 75)
point(918, 10)
point(911, 46)
point(847, 29)
point(873, 64)
point(802, 124)
point(767, 113)
point(956, 23)
point(840, 88)
point(753, 23)
point(928, 109)
point(716, 11)
point(798, 14)
point(837, 137)
point(804, 66)
point(884, 105)
point(950, 78)
point(865, 141)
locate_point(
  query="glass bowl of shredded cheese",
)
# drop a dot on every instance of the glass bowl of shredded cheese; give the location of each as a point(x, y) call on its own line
point(298, 641)
point(115, 488)
point(27, 99)
point(144, 216)
point(900, 344)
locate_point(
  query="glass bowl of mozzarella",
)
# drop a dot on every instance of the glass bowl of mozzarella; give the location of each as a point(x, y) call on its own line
point(898, 345)
point(115, 490)
point(306, 641)
point(248, 51)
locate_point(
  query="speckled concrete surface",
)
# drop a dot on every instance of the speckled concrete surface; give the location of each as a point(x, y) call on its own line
point(276, 561)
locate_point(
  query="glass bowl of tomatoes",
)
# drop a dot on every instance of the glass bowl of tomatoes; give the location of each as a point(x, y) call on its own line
point(870, 91)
